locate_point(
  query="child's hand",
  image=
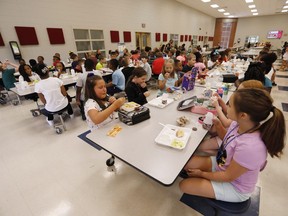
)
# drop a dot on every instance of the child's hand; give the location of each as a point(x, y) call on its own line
point(119, 102)
point(214, 101)
point(194, 172)
point(111, 99)
point(166, 75)
point(216, 121)
point(146, 94)
point(143, 85)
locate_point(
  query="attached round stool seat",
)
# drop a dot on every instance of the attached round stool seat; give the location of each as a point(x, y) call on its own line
point(210, 207)
point(229, 208)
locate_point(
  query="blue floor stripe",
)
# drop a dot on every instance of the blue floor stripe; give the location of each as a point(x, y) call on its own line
point(285, 107)
point(85, 139)
point(283, 88)
point(282, 76)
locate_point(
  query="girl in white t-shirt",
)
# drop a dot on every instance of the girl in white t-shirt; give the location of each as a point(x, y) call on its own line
point(168, 79)
point(52, 93)
point(99, 107)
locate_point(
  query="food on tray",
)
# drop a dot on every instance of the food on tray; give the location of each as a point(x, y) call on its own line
point(177, 143)
point(130, 106)
point(114, 131)
point(179, 133)
point(182, 121)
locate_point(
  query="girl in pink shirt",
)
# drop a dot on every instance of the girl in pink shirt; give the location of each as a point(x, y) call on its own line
point(232, 175)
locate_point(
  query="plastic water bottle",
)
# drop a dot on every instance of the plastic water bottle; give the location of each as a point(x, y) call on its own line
point(73, 72)
point(21, 79)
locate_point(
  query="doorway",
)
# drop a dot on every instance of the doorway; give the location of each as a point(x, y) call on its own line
point(143, 39)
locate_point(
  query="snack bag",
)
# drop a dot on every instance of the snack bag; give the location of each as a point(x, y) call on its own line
point(189, 79)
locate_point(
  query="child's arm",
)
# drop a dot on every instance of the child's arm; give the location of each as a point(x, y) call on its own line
point(162, 83)
point(224, 120)
point(98, 117)
point(78, 94)
point(13, 65)
point(42, 98)
point(233, 172)
point(221, 131)
point(63, 91)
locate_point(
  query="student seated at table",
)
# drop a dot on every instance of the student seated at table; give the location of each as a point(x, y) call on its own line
point(202, 72)
point(101, 63)
point(52, 93)
point(27, 74)
point(191, 60)
point(178, 68)
point(146, 66)
point(232, 175)
point(126, 68)
point(136, 89)
point(80, 85)
point(8, 77)
point(118, 79)
point(158, 63)
point(211, 145)
point(168, 78)
point(213, 61)
point(99, 107)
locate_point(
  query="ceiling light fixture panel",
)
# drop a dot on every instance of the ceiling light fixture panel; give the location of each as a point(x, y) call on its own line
point(205, 1)
point(254, 10)
point(284, 11)
point(226, 14)
point(251, 6)
point(221, 10)
point(286, 6)
point(214, 6)
point(249, 1)
point(255, 14)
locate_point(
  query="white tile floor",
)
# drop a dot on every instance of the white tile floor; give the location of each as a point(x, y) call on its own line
point(45, 174)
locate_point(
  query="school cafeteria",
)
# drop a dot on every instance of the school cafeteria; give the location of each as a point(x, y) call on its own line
point(143, 108)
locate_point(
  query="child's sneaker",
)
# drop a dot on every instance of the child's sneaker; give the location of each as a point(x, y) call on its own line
point(50, 122)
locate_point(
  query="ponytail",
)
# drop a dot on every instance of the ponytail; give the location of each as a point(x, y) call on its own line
point(273, 133)
point(258, 104)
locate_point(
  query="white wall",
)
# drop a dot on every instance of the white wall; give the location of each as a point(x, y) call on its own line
point(164, 16)
point(260, 26)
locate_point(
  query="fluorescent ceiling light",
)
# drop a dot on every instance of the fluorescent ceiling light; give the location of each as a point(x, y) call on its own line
point(286, 2)
point(251, 6)
point(254, 10)
point(226, 14)
point(255, 14)
point(205, 1)
point(284, 11)
point(249, 1)
point(214, 6)
point(231, 16)
point(286, 6)
point(221, 10)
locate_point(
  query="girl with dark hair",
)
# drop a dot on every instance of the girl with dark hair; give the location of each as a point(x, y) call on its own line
point(268, 61)
point(27, 73)
point(258, 128)
point(99, 107)
point(136, 89)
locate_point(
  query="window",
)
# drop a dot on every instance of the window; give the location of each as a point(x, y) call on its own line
point(88, 40)
point(225, 37)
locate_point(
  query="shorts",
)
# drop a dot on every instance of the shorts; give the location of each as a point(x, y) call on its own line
point(225, 191)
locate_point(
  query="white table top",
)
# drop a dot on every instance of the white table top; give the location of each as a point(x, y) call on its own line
point(136, 146)
point(67, 80)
